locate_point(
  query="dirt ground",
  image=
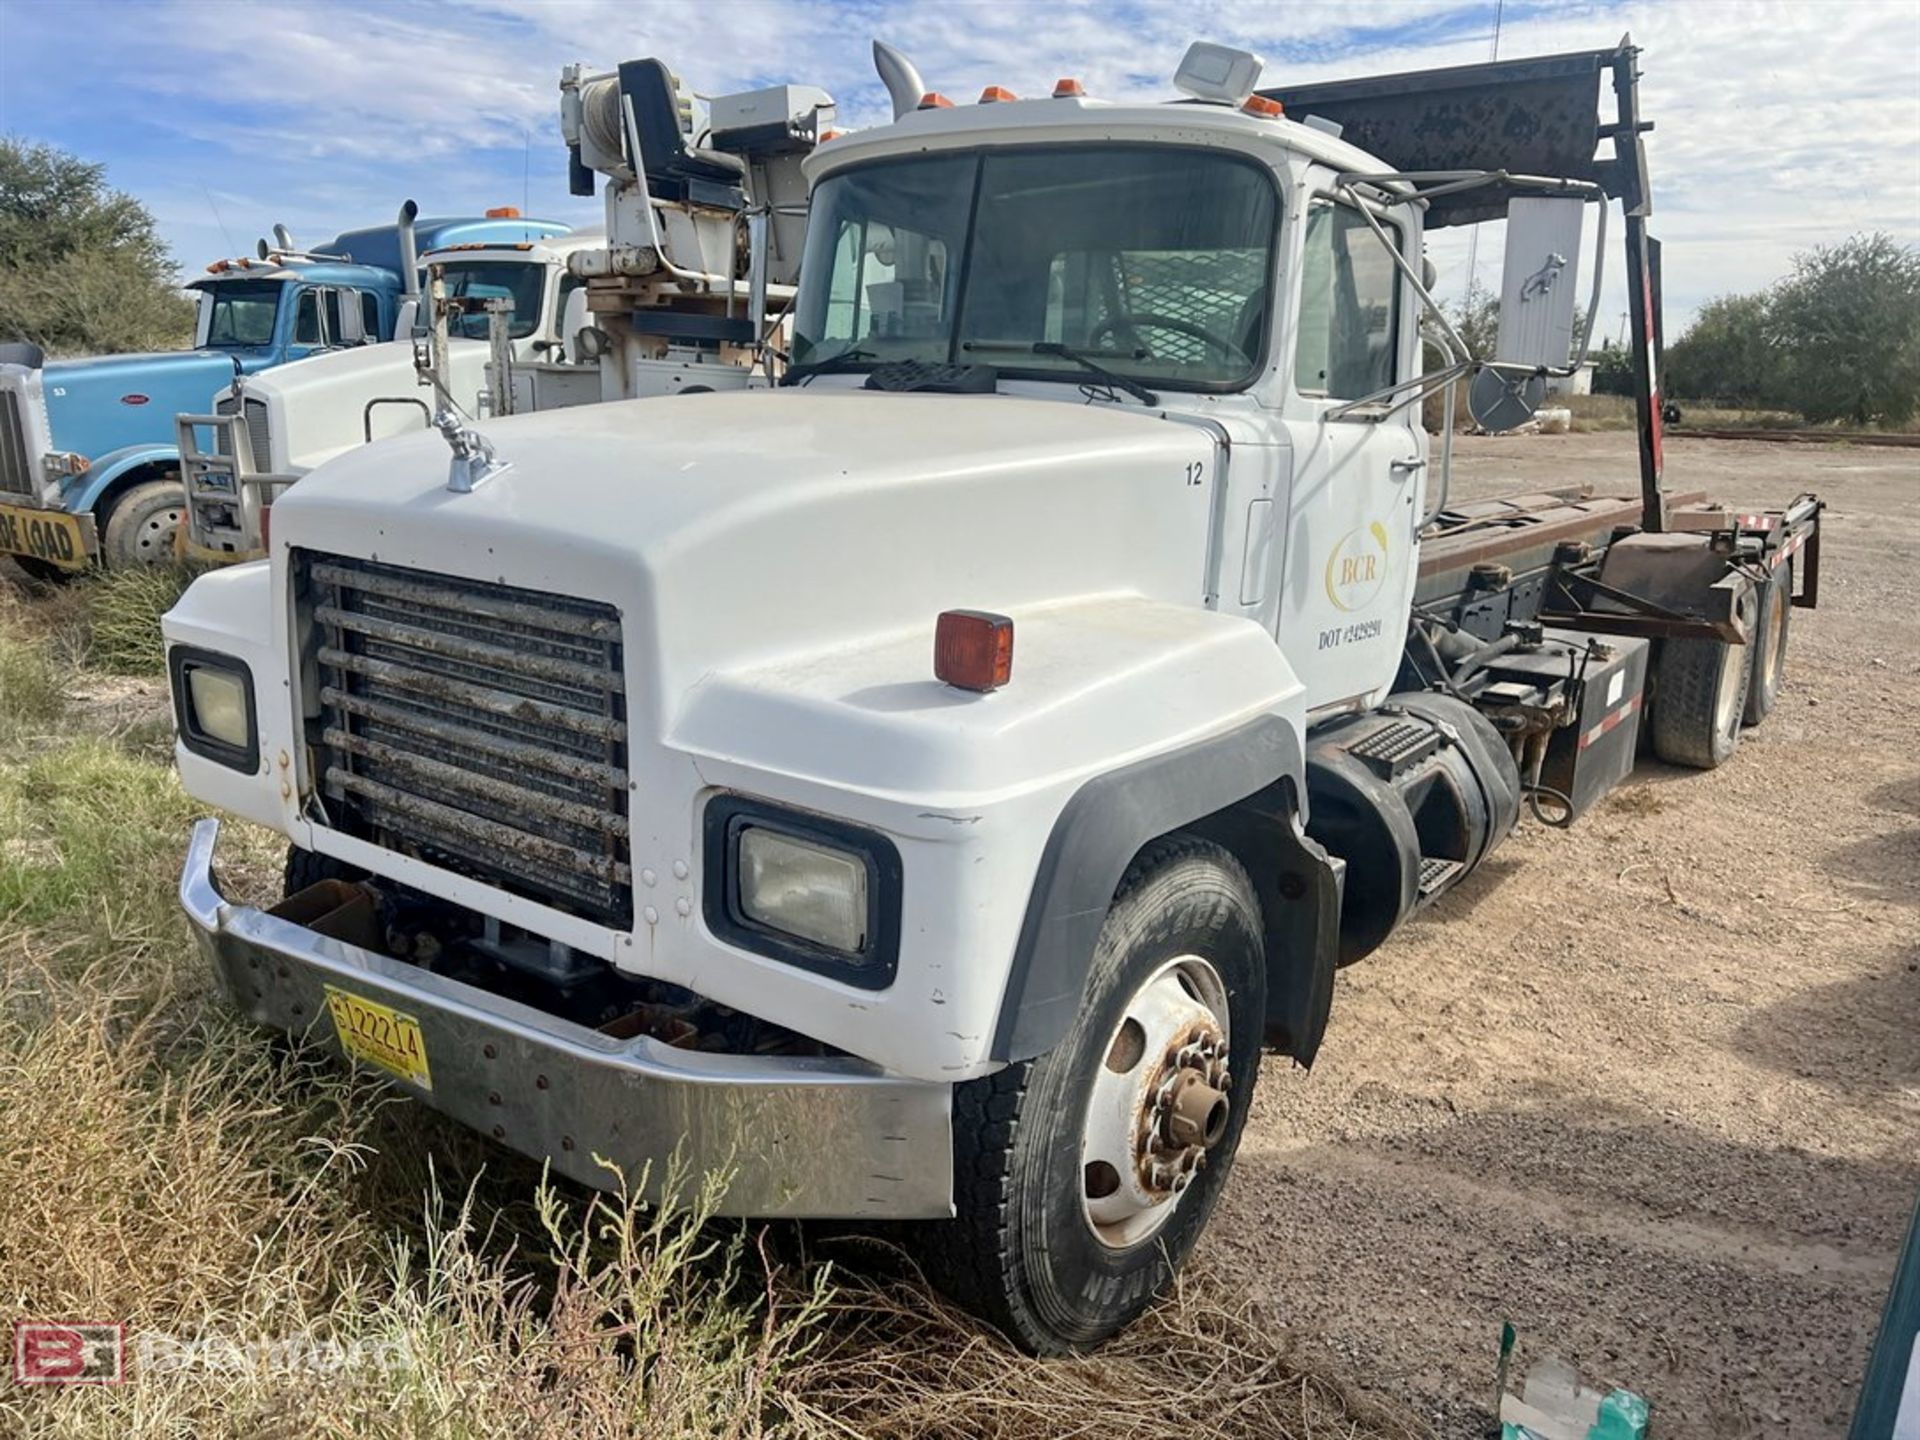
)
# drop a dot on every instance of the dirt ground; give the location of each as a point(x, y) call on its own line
point(1649, 1088)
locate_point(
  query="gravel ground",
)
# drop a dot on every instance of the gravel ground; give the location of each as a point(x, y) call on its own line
point(1649, 1088)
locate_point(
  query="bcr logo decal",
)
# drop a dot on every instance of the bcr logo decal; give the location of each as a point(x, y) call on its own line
point(1357, 568)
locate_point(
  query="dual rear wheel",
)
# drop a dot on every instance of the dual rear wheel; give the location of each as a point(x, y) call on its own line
point(1708, 690)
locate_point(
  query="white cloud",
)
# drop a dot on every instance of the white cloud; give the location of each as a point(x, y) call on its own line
point(1780, 125)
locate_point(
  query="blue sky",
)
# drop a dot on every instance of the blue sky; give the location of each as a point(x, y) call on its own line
point(1781, 123)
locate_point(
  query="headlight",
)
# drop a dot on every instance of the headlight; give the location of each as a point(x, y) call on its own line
point(803, 889)
point(808, 890)
point(213, 706)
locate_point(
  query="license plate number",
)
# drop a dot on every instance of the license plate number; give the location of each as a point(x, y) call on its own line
point(49, 535)
point(380, 1036)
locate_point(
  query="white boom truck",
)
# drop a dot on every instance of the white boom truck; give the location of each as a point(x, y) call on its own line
point(705, 207)
point(926, 789)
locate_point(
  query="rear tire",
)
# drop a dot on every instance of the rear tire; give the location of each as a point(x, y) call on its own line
point(141, 527)
point(1769, 645)
point(1700, 701)
point(1038, 1247)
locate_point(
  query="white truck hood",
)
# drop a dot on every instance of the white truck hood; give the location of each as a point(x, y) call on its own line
point(751, 527)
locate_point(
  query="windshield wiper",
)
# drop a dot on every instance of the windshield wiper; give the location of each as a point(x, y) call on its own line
point(1079, 357)
point(840, 360)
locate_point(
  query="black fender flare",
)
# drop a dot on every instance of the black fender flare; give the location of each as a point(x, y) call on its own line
point(1241, 788)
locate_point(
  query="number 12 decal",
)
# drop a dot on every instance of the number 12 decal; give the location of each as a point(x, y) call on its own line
point(1196, 472)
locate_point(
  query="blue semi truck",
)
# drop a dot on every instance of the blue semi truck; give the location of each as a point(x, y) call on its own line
point(89, 460)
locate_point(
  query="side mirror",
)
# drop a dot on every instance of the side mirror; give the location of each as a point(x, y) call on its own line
point(573, 319)
point(1538, 281)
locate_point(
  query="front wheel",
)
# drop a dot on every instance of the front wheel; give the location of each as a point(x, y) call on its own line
point(141, 528)
point(1083, 1178)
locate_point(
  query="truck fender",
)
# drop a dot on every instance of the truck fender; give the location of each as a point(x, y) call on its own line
point(1242, 788)
point(103, 477)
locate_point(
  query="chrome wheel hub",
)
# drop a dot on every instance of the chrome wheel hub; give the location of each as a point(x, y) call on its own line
point(1159, 1102)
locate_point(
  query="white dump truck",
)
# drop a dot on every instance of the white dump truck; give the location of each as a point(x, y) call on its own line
point(925, 790)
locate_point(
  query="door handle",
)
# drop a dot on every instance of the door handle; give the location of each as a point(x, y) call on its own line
point(1406, 467)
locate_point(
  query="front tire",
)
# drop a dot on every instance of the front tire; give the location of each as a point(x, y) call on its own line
point(140, 529)
point(310, 867)
point(1084, 1177)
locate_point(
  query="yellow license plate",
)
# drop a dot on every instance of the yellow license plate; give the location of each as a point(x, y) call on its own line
point(381, 1036)
point(50, 535)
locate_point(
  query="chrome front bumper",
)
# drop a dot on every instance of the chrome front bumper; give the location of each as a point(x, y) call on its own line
point(801, 1137)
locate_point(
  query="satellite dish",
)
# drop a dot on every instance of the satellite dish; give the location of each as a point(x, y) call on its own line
point(1500, 402)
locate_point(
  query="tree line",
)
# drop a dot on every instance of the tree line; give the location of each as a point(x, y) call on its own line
point(82, 267)
point(1836, 339)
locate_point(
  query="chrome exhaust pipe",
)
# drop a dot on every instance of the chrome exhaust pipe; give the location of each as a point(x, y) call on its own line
point(409, 252)
point(903, 82)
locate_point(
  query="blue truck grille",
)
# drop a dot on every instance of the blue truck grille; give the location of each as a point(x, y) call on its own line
point(480, 727)
point(16, 460)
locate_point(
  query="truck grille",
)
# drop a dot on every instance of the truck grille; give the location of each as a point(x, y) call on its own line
point(480, 727)
point(258, 441)
point(16, 463)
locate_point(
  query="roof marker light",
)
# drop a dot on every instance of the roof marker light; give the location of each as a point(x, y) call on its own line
point(1264, 108)
point(973, 650)
point(1068, 88)
point(1218, 74)
point(934, 100)
point(504, 212)
point(995, 93)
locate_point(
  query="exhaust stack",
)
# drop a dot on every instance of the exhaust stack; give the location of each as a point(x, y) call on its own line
point(897, 73)
point(409, 252)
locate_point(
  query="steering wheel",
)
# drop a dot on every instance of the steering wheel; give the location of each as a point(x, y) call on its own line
point(1143, 319)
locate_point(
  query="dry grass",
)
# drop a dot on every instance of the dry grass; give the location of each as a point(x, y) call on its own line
point(165, 1165)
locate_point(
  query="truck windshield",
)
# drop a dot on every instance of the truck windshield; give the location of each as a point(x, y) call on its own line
point(243, 312)
point(1150, 260)
point(519, 281)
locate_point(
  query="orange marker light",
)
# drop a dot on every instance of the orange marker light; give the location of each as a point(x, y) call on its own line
point(995, 93)
point(1069, 89)
point(504, 212)
point(830, 135)
point(973, 650)
point(1266, 109)
point(934, 100)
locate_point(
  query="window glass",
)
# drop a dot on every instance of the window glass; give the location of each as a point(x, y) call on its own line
point(370, 315)
point(519, 282)
point(885, 237)
point(242, 313)
point(1150, 261)
point(1349, 306)
point(306, 320)
point(330, 307)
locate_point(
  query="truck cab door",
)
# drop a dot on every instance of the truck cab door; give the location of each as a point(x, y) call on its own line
point(1358, 474)
point(306, 334)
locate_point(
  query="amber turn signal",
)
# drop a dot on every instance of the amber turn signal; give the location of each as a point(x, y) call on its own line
point(973, 650)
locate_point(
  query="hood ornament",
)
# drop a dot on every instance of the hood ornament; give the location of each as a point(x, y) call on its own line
point(473, 455)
